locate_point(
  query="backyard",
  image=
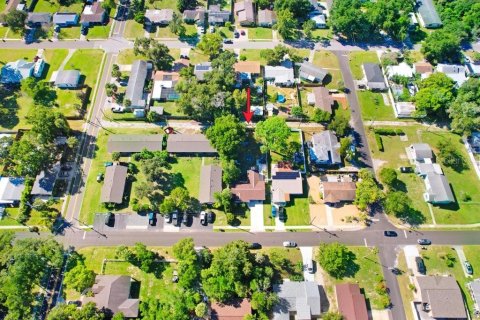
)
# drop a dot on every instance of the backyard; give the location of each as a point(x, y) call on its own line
point(327, 60)
point(54, 6)
point(357, 58)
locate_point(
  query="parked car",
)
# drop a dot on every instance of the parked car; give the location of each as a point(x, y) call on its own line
point(424, 242)
point(211, 29)
point(168, 218)
point(84, 30)
point(151, 218)
point(310, 267)
point(108, 164)
point(255, 246)
point(210, 217)
point(203, 218)
point(227, 41)
point(100, 177)
point(468, 267)
point(396, 271)
point(289, 244)
point(175, 218)
point(110, 219)
point(420, 265)
point(184, 56)
point(118, 109)
point(274, 211)
point(186, 219)
point(406, 169)
point(123, 83)
point(175, 276)
point(242, 32)
point(390, 233)
point(236, 34)
point(282, 216)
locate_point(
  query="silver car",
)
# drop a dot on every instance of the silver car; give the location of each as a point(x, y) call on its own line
point(289, 244)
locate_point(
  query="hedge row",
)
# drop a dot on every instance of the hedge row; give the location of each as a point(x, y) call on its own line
point(379, 141)
point(389, 132)
point(24, 207)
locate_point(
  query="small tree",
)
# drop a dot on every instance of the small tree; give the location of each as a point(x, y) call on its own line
point(72, 142)
point(115, 156)
point(388, 176)
point(297, 111)
point(332, 316)
point(335, 259)
point(223, 199)
point(111, 89)
point(201, 310)
point(308, 27)
point(116, 71)
point(79, 278)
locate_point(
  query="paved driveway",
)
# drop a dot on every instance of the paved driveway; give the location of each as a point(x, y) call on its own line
point(307, 256)
point(256, 217)
point(410, 253)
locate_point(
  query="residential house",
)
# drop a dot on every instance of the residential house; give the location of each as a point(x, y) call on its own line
point(420, 151)
point(210, 183)
point(164, 86)
point(65, 19)
point(338, 191)
point(325, 149)
point(252, 190)
point(281, 76)
point(114, 184)
point(11, 190)
point(374, 77)
point(351, 302)
point(422, 168)
point(12, 5)
point(38, 19)
point(474, 289)
point(136, 84)
point(245, 12)
point(234, 311)
point(66, 79)
point(413, 22)
point(402, 70)
point(45, 181)
point(217, 16)
point(297, 300)
point(321, 98)
point(473, 67)
point(93, 14)
point(438, 189)
point(112, 292)
point(285, 182)
point(246, 71)
point(266, 18)
point(428, 15)
point(455, 72)
point(320, 21)
point(424, 69)
point(131, 143)
point(189, 144)
point(15, 72)
point(160, 17)
point(312, 73)
point(196, 16)
point(438, 297)
point(180, 64)
point(200, 69)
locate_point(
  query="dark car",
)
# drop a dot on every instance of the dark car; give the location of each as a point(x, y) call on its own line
point(255, 246)
point(227, 41)
point(84, 30)
point(420, 265)
point(210, 217)
point(186, 219)
point(424, 242)
point(282, 216)
point(151, 218)
point(390, 233)
point(236, 34)
point(109, 219)
point(242, 32)
point(406, 169)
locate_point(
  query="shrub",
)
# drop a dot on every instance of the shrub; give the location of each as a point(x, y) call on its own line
point(115, 156)
point(379, 141)
point(230, 218)
point(24, 208)
point(243, 57)
point(389, 131)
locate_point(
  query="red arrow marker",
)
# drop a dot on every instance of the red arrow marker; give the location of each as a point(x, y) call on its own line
point(248, 114)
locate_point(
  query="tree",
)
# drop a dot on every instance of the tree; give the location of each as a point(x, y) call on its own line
point(115, 156)
point(183, 5)
point(297, 111)
point(29, 155)
point(448, 153)
point(176, 25)
point(40, 91)
point(88, 311)
point(345, 144)
point(335, 259)
point(320, 115)
point(299, 8)
point(109, 5)
point(47, 124)
point(388, 176)
point(79, 278)
point(398, 204)
point(226, 135)
point(188, 264)
point(144, 189)
point(16, 20)
point(111, 89)
point(201, 310)
point(155, 51)
point(72, 142)
point(465, 110)
point(120, 316)
point(276, 55)
point(367, 192)
point(348, 19)
point(286, 24)
point(340, 125)
point(332, 316)
point(264, 4)
point(434, 95)
point(223, 199)
point(308, 27)
point(273, 133)
point(211, 44)
point(442, 46)
point(179, 199)
point(392, 17)
point(231, 171)
point(116, 73)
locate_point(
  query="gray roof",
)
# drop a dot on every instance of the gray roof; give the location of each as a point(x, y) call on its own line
point(421, 151)
point(197, 14)
point(39, 17)
point(189, 143)
point(136, 83)
point(300, 297)
point(159, 16)
point(202, 68)
point(67, 78)
point(266, 17)
point(134, 142)
point(44, 182)
point(326, 147)
point(244, 11)
point(311, 72)
point(323, 99)
point(374, 76)
point(11, 189)
point(216, 15)
point(286, 183)
point(438, 188)
point(428, 13)
point(443, 295)
point(210, 183)
point(113, 292)
point(114, 184)
point(65, 18)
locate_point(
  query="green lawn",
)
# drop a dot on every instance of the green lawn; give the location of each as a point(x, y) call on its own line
point(165, 32)
point(127, 56)
point(3, 30)
point(133, 30)
point(357, 58)
point(297, 210)
point(9, 55)
point(169, 108)
point(189, 170)
point(53, 6)
point(162, 4)
point(99, 32)
point(69, 33)
point(260, 33)
point(319, 34)
point(368, 274)
point(374, 108)
point(435, 262)
point(329, 61)
point(89, 70)
point(54, 58)
point(225, 32)
point(473, 256)
point(190, 32)
point(242, 216)
point(11, 218)
point(196, 56)
point(253, 55)
point(294, 270)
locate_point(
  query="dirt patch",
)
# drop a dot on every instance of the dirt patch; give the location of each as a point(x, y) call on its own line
point(377, 164)
point(318, 214)
point(314, 188)
point(341, 213)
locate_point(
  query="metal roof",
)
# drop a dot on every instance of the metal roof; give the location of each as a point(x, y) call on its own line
point(114, 184)
point(210, 183)
point(134, 142)
point(189, 143)
point(428, 13)
point(136, 83)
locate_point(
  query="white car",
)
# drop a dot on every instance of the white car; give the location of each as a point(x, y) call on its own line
point(212, 29)
point(203, 218)
point(289, 244)
point(118, 109)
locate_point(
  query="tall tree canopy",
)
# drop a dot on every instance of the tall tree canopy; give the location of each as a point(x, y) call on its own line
point(465, 110)
point(211, 44)
point(273, 133)
point(226, 135)
point(434, 95)
point(299, 8)
point(335, 259)
point(442, 46)
point(155, 51)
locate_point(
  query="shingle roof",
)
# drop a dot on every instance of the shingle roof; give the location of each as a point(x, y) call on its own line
point(210, 183)
point(254, 189)
point(326, 147)
point(134, 142)
point(334, 192)
point(136, 82)
point(67, 78)
point(244, 11)
point(311, 72)
point(423, 67)
point(428, 13)
point(189, 143)
point(373, 73)
point(300, 297)
point(197, 14)
point(216, 15)
point(93, 13)
point(439, 189)
point(39, 17)
point(159, 16)
point(286, 182)
point(247, 67)
point(16, 71)
point(11, 189)
point(444, 296)
point(201, 68)
point(266, 17)
point(45, 181)
point(64, 18)
point(351, 303)
point(323, 99)
point(421, 151)
point(235, 311)
point(114, 184)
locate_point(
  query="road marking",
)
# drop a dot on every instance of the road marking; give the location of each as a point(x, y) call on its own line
point(405, 233)
point(365, 240)
point(84, 234)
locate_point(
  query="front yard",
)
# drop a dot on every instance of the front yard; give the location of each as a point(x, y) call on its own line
point(357, 58)
point(260, 33)
point(100, 32)
point(327, 60)
point(373, 107)
point(133, 30)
